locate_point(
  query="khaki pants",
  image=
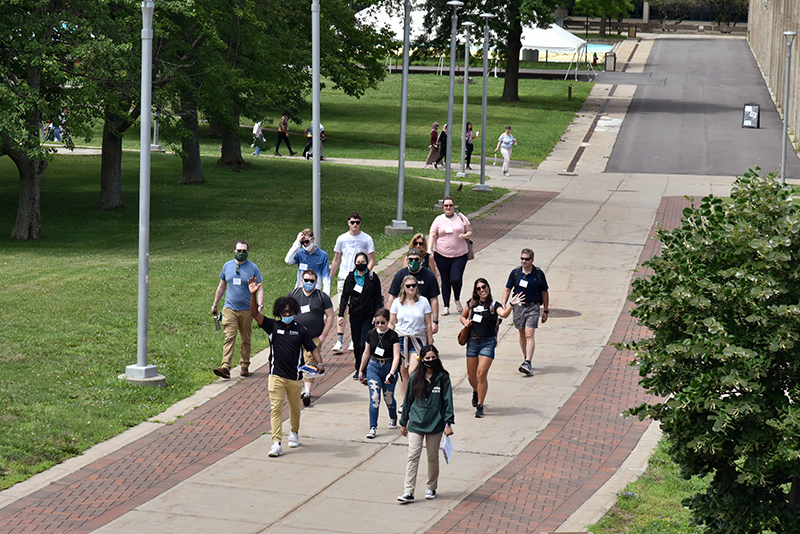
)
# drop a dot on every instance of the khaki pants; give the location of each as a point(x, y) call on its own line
point(432, 442)
point(233, 322)
point(279, 389)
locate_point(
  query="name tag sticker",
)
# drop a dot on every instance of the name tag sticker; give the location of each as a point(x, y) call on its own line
point(303, 267)
point(477, 318)
point(379, 351)
point(420, 282)
point(523, 283)
point(237, 281)
point(281, 332)
point(479, 309)
point(358, 289)
point(448, 229)
point(305, 309)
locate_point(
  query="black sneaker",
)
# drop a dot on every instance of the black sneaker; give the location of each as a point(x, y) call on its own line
point(526, 368)
point(474, 399)
point(406, 498)
point(479, 411)
point(305, 397)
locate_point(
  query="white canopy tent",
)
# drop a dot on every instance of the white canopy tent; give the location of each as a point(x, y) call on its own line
point(556, 39)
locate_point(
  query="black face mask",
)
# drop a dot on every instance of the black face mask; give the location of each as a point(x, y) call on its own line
point(361, 267)
point(435, 365)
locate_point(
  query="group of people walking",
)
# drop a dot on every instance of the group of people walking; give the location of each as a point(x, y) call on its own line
point(437, 149)
point(392, 341)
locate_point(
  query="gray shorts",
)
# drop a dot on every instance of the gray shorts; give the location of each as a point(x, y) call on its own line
point(526, 316)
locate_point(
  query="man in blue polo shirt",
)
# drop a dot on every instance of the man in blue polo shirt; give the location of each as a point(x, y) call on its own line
point(236, 315)
point(287, 339)
point(529, 281)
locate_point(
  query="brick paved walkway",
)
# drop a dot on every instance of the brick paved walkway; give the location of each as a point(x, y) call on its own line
point(108, 488)
point(579, 450)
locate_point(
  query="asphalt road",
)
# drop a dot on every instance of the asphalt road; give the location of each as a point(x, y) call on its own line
point(692, 122)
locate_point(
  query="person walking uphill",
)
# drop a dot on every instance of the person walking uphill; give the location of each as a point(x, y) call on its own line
point(236, 316)
point(287, 339)
point(427, 414)
point(529, 281)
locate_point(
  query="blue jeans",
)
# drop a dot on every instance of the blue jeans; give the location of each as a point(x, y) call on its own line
point(376, 377)
point(481, 347)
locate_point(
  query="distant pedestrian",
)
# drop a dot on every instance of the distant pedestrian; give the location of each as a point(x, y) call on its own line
point(529, 282)
point(379, 368)
point(448, 241)
point(305, 253)
point(505, 144)
point(283, 134)
point(236, 316)
point(308, 151)
point(482, 314)
point(287, 339)
point(258, 138)
point(427, 414)
point(362, 295)
point(442, 142)
point(433, 146)
point(469, 136)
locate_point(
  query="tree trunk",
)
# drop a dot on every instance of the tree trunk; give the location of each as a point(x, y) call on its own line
point(511, 82)
point(111, 161)
point(793, 491)
point(192, 168)
point(232, 145)
point(603, 21)
point(29, 215)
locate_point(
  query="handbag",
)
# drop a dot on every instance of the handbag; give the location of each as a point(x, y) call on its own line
point(470, 250)
point(463, 335)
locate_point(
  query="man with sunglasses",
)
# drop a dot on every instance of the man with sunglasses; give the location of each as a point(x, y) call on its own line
point(307, 255)
point(426, 280)
point(316, 314)
point(236, 316)
point(529, 282)
point(347, 246)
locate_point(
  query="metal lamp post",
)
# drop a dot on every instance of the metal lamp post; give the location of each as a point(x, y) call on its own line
point(142, 373)
point(449, 153)
point(467, 25)
point(316, 192)
point(399, 224)
point(789, 38)
point(486, 17)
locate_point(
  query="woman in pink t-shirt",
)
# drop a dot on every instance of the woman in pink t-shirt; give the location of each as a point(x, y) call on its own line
point(448, 243)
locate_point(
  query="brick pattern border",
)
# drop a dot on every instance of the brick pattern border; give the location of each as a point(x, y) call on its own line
point(579, 450)
point(131, 476)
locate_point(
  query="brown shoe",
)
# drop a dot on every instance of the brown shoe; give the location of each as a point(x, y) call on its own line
point(245, 370)
point(222, 372)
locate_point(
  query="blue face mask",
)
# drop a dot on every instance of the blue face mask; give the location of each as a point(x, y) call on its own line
point(309, 286)
point(287, 320)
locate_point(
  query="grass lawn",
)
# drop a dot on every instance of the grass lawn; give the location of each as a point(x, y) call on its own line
point(368, 128)
point(652, 503)
point(69, 301)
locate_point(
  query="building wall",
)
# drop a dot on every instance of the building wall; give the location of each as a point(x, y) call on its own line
point(768, 20)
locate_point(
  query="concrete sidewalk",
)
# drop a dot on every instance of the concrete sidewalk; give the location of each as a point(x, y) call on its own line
point(550, 454)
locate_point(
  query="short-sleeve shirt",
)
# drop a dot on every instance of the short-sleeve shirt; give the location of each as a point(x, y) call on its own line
point(484, 319)
point(348, 245)
point(411, 319)
point(286, 343)
point(528, 284)
point(426, 283)
point(312, 310)
point(237, 294)
point(506, 141)
point(446, 229)
point(385, 342)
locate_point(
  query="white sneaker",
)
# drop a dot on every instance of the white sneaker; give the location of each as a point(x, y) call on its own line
point(372, 433)
point(276, 450)
point(294, 440)
point(430, 494)
point(337, 347)
point(392, 423)
point(350, 346)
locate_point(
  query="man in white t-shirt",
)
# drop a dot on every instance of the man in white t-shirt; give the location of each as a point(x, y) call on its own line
point(347, 246)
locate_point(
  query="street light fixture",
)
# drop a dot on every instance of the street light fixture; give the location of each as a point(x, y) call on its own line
point(789, 38)
point(448, 149)
point(467, 25)
point(142, 373)
point(486, 17)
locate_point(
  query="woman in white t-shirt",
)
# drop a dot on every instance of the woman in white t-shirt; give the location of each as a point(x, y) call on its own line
point(410, 317)
point(505, 144)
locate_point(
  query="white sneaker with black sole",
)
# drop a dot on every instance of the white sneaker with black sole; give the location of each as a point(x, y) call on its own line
point(372, 433)
point(430, 494)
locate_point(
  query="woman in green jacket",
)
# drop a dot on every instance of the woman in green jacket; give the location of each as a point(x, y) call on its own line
point(427, 414)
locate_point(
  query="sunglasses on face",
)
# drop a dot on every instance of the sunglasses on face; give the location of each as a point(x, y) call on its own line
point(449, 205)
point(420, 243)
point(411, 285)
point(245, 250)
point(313, 280)
point(481, 288)
point(354, 222)
point(380, 322)
point(305, 243)
point(525, 259)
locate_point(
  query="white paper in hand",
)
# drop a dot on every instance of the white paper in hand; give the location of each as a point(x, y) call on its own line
point(447, 449)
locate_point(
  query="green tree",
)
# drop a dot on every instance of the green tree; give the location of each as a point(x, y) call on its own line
point(605, 9)
point(723, 304)
point(728, 12)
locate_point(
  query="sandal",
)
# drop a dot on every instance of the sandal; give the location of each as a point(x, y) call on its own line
point(459, 307)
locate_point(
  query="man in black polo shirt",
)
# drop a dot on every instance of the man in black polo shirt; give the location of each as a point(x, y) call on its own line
point(530, 281)
point(287, 339)
point(426, 280)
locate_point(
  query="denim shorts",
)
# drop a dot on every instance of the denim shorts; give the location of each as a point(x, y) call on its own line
point(481, 347)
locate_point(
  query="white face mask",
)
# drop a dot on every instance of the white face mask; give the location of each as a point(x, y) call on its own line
point(309, 247)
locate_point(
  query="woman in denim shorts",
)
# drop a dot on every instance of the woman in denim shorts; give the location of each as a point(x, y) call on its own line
point(482, 316)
